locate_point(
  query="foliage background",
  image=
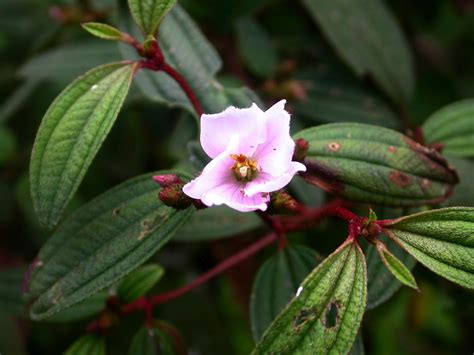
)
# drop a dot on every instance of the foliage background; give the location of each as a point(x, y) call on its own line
point(43, 48)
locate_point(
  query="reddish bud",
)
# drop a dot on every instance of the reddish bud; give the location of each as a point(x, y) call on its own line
point(301, 149)
point(167, 180)
point(173, 196)
point(282, 202)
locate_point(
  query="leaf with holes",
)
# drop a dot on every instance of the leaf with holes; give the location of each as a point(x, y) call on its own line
point(71, 134)
point(369, 40)
point(326, 315)
point(149, 13)
point(216, 223)
point(396, 267)
point(442, 240)
point(190, 53)
point(139, 282)
point(374, 164)
point(277, 283)
point(452, 126)
point(100, 243)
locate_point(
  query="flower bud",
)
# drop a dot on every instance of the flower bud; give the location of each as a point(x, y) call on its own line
point(301, 148)
point(173, 196)
point(282, 202)
point(167, 180)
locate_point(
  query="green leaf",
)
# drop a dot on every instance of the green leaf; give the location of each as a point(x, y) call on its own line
point(396, 267)
point(62, 65)
point(154, 340)
point(90, 344)
point(277, 283)
point(70, 135)
point(103, 31)
point(256, 48)
point(188, 51)
point(149, 13)
point(453, 126)
point(11, 301)
point(216, 223)
point(139, 282)
point(369, 39)
point(326, 315)
point(84, 309)
point(442, 240)
point(333, 97)
point(143, 342)
point(381, 283)
point(100, 243)
point(374, 164)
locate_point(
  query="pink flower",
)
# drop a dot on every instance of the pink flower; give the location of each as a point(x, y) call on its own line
point(251, 153)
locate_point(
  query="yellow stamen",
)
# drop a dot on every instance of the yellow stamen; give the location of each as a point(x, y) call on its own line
point(244, 168)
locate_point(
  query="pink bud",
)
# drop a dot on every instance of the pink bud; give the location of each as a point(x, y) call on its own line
point(167, 180)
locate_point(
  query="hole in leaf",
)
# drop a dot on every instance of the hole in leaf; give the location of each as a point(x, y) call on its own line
point(331, 318)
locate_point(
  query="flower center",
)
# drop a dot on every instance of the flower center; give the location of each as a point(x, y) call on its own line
point(244, 168)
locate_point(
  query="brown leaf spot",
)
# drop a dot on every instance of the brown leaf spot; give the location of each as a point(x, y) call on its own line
point(392, 149)
point(116, 211)
point(399, 178)
point(304, 315)
point(425, 183)
point(435, 161)
point(334, 146)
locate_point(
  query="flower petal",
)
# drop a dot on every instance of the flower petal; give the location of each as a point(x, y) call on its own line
point(232, 195)
point(217, 173)
point(267, 183)
point(275, 154)
point(217, 130)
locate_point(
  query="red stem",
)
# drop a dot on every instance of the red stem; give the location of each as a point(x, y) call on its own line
point(309, 217)
point(184, 85)
point(252, 249)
